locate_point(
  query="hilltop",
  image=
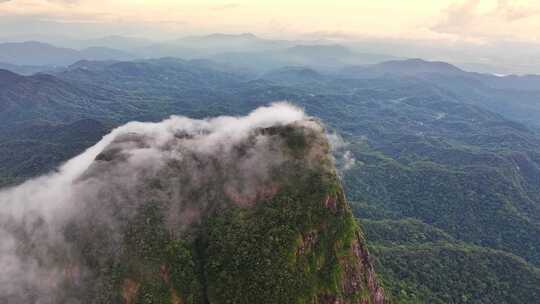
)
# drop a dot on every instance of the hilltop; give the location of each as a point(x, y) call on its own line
point(227, 210)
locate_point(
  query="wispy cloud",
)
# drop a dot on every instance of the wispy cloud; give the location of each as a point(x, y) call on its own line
point(505, 19)
point(511, 11)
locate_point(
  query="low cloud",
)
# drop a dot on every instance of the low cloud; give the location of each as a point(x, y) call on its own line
point(344, 158)
point(510, 11)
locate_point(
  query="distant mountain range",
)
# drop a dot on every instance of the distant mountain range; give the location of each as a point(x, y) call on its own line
point(436, 70)
point(225, 43)
point(245, 51)
point(205, 46)
point(34, 53)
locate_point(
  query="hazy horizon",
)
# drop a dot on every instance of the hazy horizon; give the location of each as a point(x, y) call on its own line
point(486, 35)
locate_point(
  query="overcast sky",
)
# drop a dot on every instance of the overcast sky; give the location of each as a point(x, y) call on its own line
point(477, 21)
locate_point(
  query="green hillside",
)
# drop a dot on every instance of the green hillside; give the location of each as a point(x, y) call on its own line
point(421, 264)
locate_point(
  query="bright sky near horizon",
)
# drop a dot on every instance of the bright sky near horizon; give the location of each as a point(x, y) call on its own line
point(466, 20)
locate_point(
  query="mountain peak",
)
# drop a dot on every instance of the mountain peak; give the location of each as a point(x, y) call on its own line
point(408, 67)
point(417, 65)
point(293, 75)
point(226, 210)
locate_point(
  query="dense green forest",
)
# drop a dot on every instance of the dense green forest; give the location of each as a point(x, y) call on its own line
point(422, 264)
point(449, 159)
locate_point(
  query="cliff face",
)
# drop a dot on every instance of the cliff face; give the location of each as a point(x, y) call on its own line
point(257, 215)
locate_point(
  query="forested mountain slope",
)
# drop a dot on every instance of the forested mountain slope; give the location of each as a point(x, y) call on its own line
point(224, 210)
